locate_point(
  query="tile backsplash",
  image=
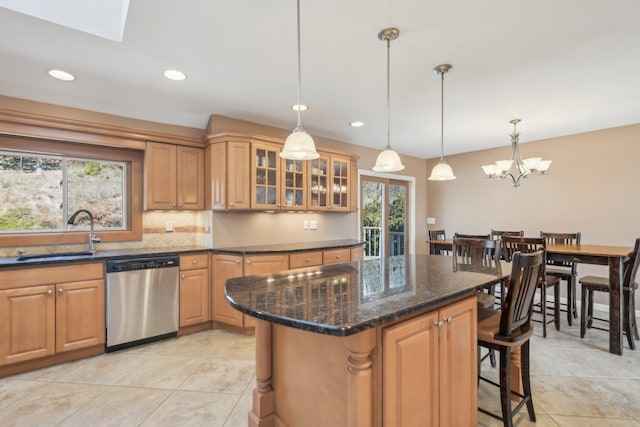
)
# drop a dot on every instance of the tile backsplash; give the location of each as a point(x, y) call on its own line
point(191, 228)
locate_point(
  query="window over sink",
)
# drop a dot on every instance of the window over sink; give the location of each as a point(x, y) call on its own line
point(43, 182)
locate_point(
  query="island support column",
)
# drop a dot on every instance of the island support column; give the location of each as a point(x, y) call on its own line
point(261, 414)
point(360, 380)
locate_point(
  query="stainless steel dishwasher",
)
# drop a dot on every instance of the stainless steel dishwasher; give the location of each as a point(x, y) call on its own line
point(142, 300)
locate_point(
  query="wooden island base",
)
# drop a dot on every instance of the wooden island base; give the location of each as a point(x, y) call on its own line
point(407, 373)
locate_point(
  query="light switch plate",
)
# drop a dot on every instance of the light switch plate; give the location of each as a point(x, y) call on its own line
point(313, 225)
point(305, 225)
point(431, 220)
point(169, 226)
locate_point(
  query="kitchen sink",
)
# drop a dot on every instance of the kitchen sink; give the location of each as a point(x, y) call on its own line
point(61, 256)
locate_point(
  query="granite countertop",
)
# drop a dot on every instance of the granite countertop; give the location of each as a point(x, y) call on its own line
point(343, 299)
point(32, 259)
point(291, 247)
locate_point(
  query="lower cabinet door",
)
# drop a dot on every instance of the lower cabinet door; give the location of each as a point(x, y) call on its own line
point(80, 315)
point(225, 267)
point(410, 373)
point(194, 297)
point(27, 323)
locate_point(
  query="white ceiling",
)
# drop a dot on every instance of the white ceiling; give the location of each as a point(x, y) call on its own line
point(564, 67)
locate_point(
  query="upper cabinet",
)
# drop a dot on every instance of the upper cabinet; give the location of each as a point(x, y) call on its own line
point(174, 177)
point(245, 172)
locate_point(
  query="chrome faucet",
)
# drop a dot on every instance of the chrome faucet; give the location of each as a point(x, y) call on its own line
point(92, 236)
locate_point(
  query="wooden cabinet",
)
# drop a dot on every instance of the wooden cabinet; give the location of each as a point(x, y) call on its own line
point(427, 379)
point(336, 256)
point(174, 177)
point(227, 176)
point(43, 313)
point(227, 266)
point(305, 259)
point(357, 253)
point(194, 289)
point(331, 184)
point(80, 318)
point(246, 172)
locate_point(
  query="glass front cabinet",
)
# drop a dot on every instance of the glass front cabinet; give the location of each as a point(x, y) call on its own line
point(273, 183)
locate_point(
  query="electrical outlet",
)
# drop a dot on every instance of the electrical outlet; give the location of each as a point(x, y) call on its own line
point(305, 225)
point(169, 226)
point(313, 225)
point(431, 220)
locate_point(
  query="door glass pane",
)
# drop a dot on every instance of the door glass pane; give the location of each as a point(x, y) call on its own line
point(372, 201)
point(397, 218)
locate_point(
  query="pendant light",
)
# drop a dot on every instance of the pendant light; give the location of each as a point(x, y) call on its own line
point(442, 171)
point(388, 160)
point(299, 145)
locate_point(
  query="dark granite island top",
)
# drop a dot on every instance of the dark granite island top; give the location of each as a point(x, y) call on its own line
point(344, 299)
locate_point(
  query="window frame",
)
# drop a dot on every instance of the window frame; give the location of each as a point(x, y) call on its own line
point(134, 160)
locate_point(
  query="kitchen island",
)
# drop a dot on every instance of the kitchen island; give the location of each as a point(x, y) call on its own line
point(371, 343)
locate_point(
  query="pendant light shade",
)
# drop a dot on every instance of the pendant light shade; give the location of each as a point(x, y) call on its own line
point(388, 160)
point(299, 145)
point(442, 171)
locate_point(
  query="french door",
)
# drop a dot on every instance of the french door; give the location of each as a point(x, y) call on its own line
point(383, 216)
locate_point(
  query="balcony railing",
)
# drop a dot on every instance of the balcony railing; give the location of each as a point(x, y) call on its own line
point(373, 238)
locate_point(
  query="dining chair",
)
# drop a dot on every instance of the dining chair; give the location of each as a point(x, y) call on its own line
point(472, 236)
point(511, 245)
point(591, 284)
point(495, 234)
point(437, 235)
point(565, 270)
point(479, 255)
point(509, 329)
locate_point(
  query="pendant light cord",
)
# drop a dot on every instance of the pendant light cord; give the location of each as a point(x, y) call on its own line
point(442, 117)
point(299, 127)
point(388, 95)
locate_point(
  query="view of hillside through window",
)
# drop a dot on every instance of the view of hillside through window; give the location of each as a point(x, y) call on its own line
point(40, 192)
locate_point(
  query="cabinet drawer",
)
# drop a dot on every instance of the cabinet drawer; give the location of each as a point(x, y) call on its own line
point(336, 256)
point(191, 262)
point(305, 259)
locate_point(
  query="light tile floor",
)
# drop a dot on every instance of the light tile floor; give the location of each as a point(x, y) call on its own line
point(206, 379)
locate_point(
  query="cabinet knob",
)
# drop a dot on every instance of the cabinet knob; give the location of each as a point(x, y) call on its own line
point(439, 323)
point(49, 292)
point(248, 261)
point(60, 290)
point(182, 276)
point(449, 320)
point(173, 205)
point(307, 260)
point(237, 261)
point(338, 256)
point(230, 205)
point(180, 204)
point(194, 262)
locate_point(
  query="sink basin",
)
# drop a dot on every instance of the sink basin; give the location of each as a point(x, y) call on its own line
point(63, 255)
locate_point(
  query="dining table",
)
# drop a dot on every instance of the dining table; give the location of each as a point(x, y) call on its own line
point(611, 256)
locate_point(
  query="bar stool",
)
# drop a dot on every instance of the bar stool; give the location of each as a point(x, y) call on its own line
point(510, 329)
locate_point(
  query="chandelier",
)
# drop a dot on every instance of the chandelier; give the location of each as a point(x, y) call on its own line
point(523, 168)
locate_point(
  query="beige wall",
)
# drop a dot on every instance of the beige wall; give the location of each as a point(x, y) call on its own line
point(592, 187)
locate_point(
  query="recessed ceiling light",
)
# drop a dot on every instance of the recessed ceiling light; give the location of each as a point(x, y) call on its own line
point(302, 107)
point(174, 75)
point(356, 124)
point(61, 75)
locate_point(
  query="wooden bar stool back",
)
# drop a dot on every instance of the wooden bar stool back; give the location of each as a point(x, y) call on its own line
point(510, 328)
point(511, 245)
point(565, 270)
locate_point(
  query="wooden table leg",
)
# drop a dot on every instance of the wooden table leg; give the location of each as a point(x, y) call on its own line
point(615, 305)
